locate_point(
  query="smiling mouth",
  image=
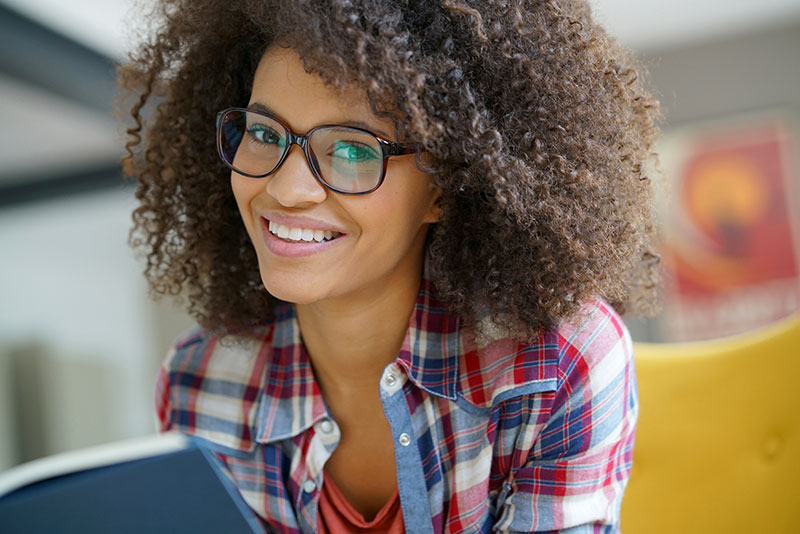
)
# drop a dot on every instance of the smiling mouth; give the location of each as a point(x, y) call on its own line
point(301, 235)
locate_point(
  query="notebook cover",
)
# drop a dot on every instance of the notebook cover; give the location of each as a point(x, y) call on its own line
point(182, 491)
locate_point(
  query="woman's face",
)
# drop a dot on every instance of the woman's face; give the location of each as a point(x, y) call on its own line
point(382, 233)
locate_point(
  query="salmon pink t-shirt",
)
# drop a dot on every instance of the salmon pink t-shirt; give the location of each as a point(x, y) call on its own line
point(337, 516)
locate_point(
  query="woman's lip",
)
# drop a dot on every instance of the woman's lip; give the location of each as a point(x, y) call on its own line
point(298, 221)
point(292, 249)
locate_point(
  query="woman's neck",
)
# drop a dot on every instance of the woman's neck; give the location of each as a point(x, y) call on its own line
point(351, 340)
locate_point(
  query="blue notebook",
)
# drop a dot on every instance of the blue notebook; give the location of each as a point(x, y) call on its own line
point(160, 484)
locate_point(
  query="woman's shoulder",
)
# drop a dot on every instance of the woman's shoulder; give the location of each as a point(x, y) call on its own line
point(594, 336)
point(594, 341)
point(208, 382)
point(200, 351)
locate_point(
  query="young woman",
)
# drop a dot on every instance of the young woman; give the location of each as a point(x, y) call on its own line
point(404, 229)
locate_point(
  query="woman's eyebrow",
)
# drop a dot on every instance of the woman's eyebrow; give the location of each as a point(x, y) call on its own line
point(258, 106)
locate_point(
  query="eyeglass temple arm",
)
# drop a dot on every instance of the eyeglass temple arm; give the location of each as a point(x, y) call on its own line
point(400, 149)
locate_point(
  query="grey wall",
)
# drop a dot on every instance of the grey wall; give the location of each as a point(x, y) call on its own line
point(746, 73)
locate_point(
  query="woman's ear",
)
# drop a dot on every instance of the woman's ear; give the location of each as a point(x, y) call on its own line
point(434, 208)
point(424, 161)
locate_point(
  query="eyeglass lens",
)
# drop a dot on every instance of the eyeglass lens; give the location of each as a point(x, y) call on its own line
point(347, 159)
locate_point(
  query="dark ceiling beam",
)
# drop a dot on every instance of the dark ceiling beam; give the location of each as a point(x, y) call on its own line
point(46, 59)
point(100, 177)
point(35, 55)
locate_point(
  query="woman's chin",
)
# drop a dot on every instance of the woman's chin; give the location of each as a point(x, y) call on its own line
point(290, 290)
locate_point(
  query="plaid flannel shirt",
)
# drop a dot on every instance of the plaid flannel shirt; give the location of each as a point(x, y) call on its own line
point(504, 437)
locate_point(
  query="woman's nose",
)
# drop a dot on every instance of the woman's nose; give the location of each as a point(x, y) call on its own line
point(293, 185)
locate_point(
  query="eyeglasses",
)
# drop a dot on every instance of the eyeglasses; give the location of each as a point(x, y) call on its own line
point(343, 159)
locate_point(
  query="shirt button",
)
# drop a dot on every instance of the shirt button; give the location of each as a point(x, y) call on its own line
point(390, 379)
point(404, 439)
point(309, 486)
point(326, 426)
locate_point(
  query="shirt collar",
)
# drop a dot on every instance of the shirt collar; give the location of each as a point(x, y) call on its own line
point(291, 401)
point(431, 348)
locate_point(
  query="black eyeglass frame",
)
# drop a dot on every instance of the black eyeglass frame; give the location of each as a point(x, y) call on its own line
point(388, 149)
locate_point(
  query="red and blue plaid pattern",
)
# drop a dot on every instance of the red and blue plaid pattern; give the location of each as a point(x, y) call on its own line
point(505, 436)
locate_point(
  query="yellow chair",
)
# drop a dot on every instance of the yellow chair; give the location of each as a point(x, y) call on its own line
point(718, 441)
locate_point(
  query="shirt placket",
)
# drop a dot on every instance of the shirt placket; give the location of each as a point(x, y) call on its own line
point(325, 439)
point(410, 476)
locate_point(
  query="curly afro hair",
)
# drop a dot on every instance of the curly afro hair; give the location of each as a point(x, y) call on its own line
point(538, 126)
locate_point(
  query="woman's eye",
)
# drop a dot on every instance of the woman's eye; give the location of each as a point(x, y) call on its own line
point(352, 151)
point(264, 134)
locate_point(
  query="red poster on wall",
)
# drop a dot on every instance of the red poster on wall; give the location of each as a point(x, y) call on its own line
point(731, 248)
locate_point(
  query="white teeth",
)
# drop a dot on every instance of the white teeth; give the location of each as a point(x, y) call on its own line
point(301, 234)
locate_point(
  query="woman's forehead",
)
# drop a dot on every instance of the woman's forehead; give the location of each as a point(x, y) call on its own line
point(282, 85)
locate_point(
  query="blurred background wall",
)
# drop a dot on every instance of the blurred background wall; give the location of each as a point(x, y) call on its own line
point(80, 341)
